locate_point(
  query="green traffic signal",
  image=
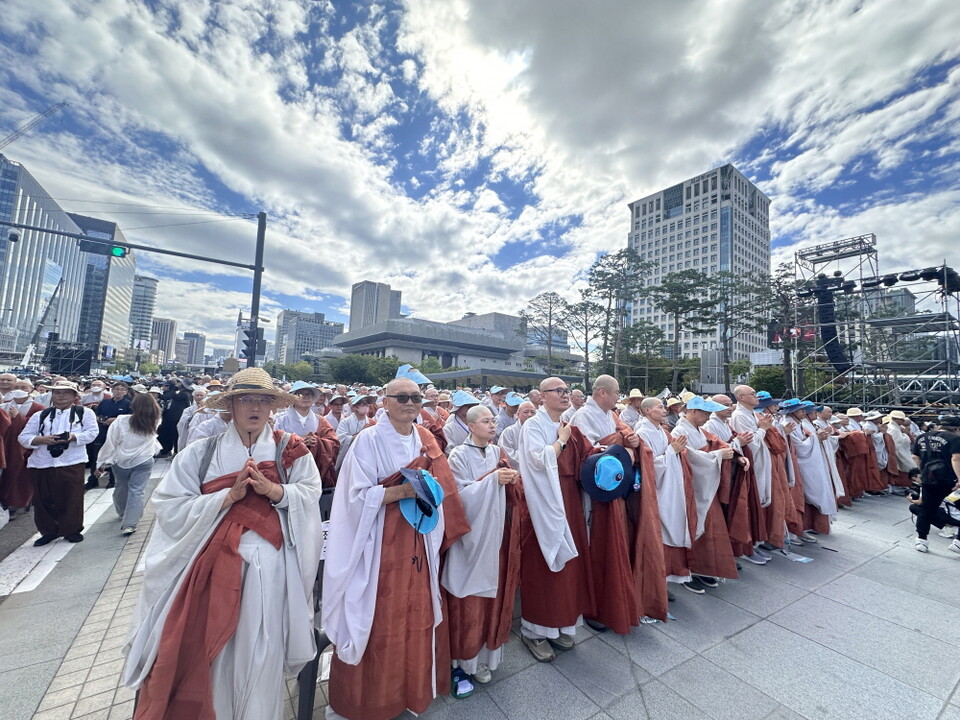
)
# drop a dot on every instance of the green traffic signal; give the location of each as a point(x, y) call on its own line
point(118, 251)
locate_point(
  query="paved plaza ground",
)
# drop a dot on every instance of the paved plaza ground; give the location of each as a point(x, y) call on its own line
point(870, 629)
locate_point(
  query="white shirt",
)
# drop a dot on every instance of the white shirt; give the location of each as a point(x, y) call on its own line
point(125, 448)
point(86, 431)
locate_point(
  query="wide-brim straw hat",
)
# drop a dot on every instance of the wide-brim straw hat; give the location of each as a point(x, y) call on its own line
point(251, 381)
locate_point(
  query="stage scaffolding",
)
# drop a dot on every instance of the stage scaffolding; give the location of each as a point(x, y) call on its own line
point(866, 338)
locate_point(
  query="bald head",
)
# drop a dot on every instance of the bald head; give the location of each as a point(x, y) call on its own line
point(650, 402)
point(746, 396)
point(606, 392)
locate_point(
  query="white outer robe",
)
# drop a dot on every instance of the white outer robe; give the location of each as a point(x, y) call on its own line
point(817, 484)
point(745, 420)
point(455, 431)
point(508, 443)
point(274, 633)
point(351, 572)
point(671, 492)
point(705, 467)
point(293, 422)
point(901, 442)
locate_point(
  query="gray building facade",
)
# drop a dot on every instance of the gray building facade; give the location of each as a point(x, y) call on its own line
point(299, 333)
point(42, 272)
point(141, 310)
point(371, 303)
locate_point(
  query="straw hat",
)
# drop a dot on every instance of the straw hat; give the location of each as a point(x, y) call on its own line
point(854, 412)
point(251, 381)
point(65, 385)
point(635, 393)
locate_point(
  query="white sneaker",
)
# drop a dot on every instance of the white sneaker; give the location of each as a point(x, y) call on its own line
point(808, 536)
point(955, 545)
point(947, 533)
point(922, 546)
point(483, 674)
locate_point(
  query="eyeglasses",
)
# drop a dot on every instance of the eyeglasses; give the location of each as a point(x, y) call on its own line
point(404, 398)
point(559, 390)
point(254, 399)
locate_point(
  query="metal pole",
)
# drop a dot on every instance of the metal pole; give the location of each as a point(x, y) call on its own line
point(257, 276)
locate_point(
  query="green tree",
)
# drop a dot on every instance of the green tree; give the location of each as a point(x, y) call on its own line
point(541, 320)
point(583, 322)
point(769, 378)
point(647, 341)
point(616, 280)
point(147, 368)
point(684, 296)
point(350, 369)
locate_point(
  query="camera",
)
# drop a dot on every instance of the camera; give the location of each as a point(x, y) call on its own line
point(57, 449)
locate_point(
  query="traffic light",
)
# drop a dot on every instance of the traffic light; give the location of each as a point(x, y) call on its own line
point(101, 248)
point(254, 343)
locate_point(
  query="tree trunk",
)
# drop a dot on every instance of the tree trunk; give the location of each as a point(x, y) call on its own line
point(676, 353)
point(787, 366)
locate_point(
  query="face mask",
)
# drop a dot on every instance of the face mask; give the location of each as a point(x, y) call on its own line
point(19, 395)
point(96, 390)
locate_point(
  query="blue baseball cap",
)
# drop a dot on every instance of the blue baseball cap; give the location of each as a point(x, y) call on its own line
point(609, 475)
point(513, 399)
point(422, 511)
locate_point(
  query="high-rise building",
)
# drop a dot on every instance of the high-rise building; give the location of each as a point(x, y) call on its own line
point(41, 275)
point(303, 332)
point(142, 309)
point(196, 347)
point(372, 302)
point(181, 351)
point(715, 222)
point(107, 291)
point(163, 337)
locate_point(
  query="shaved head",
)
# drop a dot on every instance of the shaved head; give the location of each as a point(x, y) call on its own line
point(476, 412)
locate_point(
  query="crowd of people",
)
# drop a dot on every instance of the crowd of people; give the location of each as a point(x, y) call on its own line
point(448, 507)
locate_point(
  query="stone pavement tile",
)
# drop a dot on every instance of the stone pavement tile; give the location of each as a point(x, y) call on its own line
point(757, 592)
point(100, 685)
point(106, 669)
point(877, 643)
point(516, 657)
point(60, 713)
point(717, 692)
point(659, 703)
point(32, 634)
point(702, 621)
point(598, 671)
point(882, 530)
point(94, 703)
point(951, 712)
point(916, 579)
point(539, 692)
point(63, 680)
point(478, 705)
point(815, 681)
point(939, 558)
point(842, 559)
point(784, 713)
point(930, 617)
point(82, 649)
point(628, 707)
point(66, 696)
point(808, 576)
point(24, 687)
point(651, 650)
point(102, 714)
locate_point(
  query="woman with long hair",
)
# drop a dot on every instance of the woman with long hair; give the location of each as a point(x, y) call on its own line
point(128, 449)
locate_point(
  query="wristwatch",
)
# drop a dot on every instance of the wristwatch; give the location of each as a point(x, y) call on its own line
point(563, 445)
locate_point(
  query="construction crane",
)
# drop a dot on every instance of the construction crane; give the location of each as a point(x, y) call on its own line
point(31, 124)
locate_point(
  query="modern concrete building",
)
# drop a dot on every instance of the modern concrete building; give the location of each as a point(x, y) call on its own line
point(196, 348)
point(299, 333)
point(714, 222)
point(41, 273)
point(371, 303)
point(490, 341)
point(107, 291)
point(142, 309)
point(163, 336)
point(181, 351)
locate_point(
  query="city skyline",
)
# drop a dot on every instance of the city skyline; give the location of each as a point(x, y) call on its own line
point(472, 155)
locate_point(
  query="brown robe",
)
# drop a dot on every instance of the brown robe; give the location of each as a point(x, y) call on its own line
point(402, 633)
point(325, 452)
point(434, 425)
point(478, 621)
point(743, 512)
point(649, 566)
point(558, 599)
point(712, 551)
point(892, 473)
point(775, 514)
point(16, 487)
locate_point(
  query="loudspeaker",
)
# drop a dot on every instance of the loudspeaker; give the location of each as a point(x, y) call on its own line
point(826, 312)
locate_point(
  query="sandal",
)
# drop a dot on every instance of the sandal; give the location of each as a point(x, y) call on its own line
point(461, 686)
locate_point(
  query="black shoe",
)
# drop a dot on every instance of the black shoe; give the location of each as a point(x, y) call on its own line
point(599, 627)
point(670, 596)
point(44, 540)
point(75, 538)
point(694, 586)
point(161, 455)
point(739, 566)
point(111, 484)
point(707, 581)
point(92, 483)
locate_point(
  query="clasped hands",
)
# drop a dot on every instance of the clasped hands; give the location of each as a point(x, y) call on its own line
point(507, 476)
point(250, 476)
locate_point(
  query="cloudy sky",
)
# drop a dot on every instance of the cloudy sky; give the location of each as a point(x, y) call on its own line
point(473, 153)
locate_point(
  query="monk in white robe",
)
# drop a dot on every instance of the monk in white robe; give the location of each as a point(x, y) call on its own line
point(230, 571)
point(511, 436)
point(818, 490)
point(675, 500)
point(455, 430)
point(382, 605)
point(555, 571)
point(745, 420)
point(349, 426)
point(625, 545)
point(482, 569)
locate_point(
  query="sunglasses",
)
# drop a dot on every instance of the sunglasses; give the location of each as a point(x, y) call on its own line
point(404, 398)
point(254, 399)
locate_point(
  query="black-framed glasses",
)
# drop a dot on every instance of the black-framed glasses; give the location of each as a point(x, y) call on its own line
point(404, 398)
point(559, 390)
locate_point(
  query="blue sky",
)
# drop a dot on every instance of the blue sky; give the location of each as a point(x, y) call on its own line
point(474, 153)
